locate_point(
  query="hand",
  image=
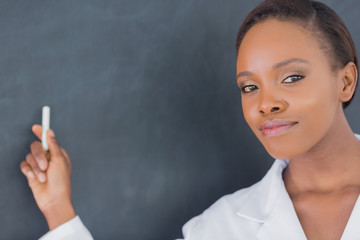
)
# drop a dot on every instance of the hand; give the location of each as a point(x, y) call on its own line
point(48, 175)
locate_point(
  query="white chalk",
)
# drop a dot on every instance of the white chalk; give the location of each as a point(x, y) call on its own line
point(45, 126)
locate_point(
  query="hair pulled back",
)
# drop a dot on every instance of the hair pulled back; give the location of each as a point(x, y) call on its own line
point(323, 22)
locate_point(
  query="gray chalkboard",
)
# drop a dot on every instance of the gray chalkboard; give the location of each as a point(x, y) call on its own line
point(143, 98)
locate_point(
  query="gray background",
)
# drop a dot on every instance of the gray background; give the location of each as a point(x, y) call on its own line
point(143, 98)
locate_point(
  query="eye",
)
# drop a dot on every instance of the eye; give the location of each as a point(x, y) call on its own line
point(248, 88)
point(293, 78)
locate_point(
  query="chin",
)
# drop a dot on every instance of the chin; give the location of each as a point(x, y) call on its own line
point(279, 156)
point(283, 153)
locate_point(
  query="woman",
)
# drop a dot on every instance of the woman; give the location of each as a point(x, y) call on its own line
point(297, 71)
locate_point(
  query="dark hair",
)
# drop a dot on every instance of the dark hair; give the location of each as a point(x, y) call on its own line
point(323, 22)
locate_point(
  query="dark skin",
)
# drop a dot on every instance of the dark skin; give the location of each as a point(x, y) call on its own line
point(49, 179)
point(324, 156)
point(322, 176)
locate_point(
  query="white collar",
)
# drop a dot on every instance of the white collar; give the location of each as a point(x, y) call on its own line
point(263, 194)
point(268, 203)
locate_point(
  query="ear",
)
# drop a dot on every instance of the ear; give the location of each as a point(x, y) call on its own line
point(348, 80)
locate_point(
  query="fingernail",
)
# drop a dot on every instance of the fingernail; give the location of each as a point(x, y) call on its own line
point(51, 133)
point(42, 164)
point(41, 177)
point(30, 174)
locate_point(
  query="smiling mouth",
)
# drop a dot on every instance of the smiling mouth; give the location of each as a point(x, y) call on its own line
point(276, 130)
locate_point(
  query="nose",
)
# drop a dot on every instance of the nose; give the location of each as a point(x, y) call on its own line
point(271, 104)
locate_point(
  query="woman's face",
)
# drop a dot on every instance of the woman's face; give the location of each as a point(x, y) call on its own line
point(289, 91)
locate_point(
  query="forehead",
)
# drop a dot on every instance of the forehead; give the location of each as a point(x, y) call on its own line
point(273, 41)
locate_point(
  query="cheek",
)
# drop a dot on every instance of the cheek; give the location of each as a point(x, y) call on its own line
point(319, 105)
point(316, 114)
point(252, 117)
point(250, 113)
point(314, 109)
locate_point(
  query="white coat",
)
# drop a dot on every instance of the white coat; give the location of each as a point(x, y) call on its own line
point(263, 211)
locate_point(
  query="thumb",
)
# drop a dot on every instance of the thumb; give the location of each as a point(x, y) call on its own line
point(54, 147)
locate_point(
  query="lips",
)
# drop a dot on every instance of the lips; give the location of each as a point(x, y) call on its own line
point(276, 127)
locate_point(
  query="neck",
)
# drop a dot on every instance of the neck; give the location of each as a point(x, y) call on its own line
point(332, 165)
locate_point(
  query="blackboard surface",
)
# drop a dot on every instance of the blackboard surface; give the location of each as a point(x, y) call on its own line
point(143, 98)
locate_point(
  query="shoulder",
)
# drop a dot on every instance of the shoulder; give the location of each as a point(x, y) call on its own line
point(241, 214)
point(221, 221)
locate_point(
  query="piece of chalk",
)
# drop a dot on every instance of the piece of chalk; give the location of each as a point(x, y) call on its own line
point(45, 126)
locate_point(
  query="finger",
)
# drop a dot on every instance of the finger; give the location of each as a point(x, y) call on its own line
point(39, 154)
point(54, 147)
point(32, 163)
point(26, 170)
point(37, 130)
point(67, 158)
point(65, 154)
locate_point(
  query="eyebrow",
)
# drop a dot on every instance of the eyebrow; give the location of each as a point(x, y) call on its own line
point(277, 65)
